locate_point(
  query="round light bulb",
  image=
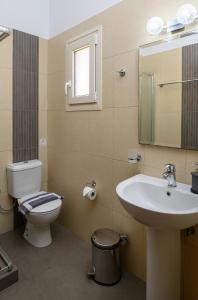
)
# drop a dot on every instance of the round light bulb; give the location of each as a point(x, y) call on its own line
point(154, 26)
point(186, 14)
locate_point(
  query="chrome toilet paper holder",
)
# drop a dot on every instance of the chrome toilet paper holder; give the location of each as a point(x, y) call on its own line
point(91, 184)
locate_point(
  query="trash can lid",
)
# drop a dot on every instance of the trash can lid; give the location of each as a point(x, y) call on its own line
point(105, 239)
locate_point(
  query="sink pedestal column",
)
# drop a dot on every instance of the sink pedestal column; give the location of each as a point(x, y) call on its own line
point(163, 264)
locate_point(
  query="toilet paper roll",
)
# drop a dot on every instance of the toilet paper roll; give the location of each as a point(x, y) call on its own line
point(89, 193)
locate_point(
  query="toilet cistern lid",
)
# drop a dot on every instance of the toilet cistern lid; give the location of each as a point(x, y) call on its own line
point(24, 165)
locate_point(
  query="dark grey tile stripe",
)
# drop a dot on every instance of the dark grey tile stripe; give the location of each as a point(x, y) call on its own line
point(190, 97)
point(25, 96)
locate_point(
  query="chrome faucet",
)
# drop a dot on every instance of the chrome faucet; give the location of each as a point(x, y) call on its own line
point(169, 174)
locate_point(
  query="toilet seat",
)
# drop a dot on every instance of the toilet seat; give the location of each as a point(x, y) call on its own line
point(44, 208)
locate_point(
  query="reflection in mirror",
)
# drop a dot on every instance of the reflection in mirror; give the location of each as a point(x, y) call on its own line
point(146, 108)
point(168, 96)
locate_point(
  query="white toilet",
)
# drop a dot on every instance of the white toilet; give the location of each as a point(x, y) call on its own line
point(24, 180)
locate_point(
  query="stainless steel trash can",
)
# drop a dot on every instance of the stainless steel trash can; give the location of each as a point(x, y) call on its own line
point(106, 263)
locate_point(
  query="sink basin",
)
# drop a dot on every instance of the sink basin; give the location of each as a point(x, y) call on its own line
point(150, 201)
point(164, 210)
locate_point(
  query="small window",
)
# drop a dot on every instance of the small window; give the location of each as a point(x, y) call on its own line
point(83, 87)
point(81, 72)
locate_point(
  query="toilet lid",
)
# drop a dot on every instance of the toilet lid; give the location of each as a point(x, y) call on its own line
point(44, 208)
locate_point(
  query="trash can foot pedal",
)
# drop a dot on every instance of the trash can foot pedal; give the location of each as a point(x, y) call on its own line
point(91, 273)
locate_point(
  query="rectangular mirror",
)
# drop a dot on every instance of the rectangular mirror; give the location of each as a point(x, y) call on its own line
point(168, 92)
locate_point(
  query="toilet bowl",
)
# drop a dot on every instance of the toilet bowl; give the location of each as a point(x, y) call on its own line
point(37, 230)
point(24, 181)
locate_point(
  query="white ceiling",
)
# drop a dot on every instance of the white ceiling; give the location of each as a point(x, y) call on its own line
point(31, 16)
point(47, 18)
point(68, 13)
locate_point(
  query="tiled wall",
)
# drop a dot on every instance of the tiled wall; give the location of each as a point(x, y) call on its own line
point(6, 220)
point(94, 145)
point(6, 68)
point(43, 76)
point(25, 96)
point(190, 98)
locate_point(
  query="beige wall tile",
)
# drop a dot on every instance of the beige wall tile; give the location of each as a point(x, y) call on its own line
point(6, 130)
point(6, 219)
point(54, 120)
point(126, 88)
point(6, 222)
point(42, 124)
point(101, 132)
point(6, 53)
point(5, 158)
point(56, 54)
point(128, 31)
point(83, 217)
point(5, 89)
point(43, 159)
point(121, 171)
point(56, 92)
point(60, 169)
point(107, 38)
point(125, 131)
point(59, 130)
point(43, 97)
point(6, 201)
point(78, 131)
point(43, 56)
point(107, 87)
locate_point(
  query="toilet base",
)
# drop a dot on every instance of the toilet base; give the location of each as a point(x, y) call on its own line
point(38, 236)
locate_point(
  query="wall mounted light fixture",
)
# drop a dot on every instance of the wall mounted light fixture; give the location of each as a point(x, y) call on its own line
point(186, 14)
point(4, 32)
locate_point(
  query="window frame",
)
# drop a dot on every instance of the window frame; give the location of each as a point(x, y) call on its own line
point(93, 101)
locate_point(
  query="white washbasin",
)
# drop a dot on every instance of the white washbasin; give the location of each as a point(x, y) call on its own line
point(150, 201)
point(164, 211)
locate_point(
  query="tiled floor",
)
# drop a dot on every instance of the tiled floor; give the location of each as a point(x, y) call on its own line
point(59, 271)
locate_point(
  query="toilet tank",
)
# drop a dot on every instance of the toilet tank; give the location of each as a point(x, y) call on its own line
point(24, 178)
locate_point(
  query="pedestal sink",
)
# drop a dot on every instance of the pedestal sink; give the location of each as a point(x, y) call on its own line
point(164, 211)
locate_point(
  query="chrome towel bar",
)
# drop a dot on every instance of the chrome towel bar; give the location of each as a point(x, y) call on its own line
point(176, 82)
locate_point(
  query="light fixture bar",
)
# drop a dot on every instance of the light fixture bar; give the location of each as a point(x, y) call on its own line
point(4, 32)
point(186, 14)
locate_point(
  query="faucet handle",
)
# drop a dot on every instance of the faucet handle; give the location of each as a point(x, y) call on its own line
point(169, 168)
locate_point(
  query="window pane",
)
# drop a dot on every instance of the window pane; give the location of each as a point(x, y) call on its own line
point(81, 69)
